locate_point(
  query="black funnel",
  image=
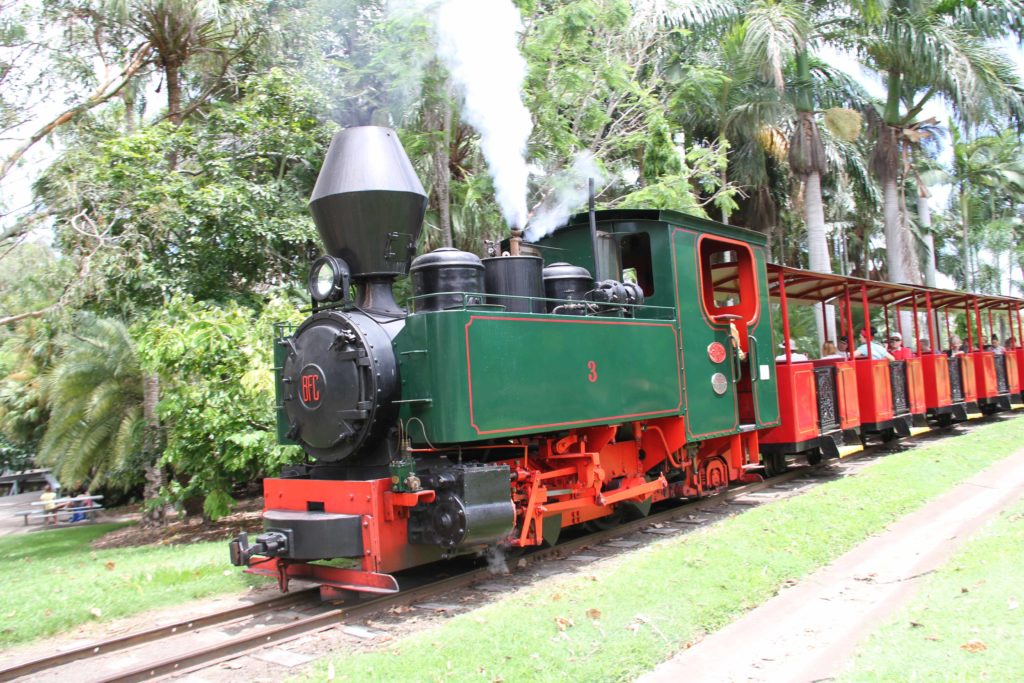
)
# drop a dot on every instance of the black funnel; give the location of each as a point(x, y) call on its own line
point(368, 204)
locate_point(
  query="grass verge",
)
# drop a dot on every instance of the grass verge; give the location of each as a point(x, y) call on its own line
point(620, 618)
point(54, 581)
point(966, 622)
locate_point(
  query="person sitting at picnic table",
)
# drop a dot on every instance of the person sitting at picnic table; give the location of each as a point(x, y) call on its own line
point(896, 348)
point(48, 499)
point(796, 356)
point(876, 352)
point(995, 346)
point(79, 506)
point(830, 351)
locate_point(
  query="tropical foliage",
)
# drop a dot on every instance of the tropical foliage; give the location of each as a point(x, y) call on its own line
point(191, 133)
point(95, 391)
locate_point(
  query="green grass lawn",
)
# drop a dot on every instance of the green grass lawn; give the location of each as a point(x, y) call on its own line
point(54, 581)
point(621, 618)
point(966, 623)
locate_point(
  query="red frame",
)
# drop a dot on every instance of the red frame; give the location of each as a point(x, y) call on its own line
point(938, 393)
point(799, 414)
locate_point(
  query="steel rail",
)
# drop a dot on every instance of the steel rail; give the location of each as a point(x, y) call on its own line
point(103, 647)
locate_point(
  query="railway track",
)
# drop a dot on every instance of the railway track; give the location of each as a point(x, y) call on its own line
point(334, 615)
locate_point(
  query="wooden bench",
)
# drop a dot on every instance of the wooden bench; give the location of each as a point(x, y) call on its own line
point(67, 507)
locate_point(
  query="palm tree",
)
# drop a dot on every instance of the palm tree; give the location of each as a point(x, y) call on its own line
point(926, 49)
point(180, 30)
point(988, 182)
point(95, 396)
point(773, 38)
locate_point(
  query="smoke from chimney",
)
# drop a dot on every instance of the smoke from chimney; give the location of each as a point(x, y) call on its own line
point(569, 193)
point(477, 42)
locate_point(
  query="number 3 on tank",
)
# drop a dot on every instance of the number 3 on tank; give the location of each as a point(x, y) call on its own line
point(592, 370)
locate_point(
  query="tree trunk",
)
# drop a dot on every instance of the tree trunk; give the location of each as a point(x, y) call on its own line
point(817, 248)
point(724, 179)
point(966, 236)
point(128, 97)
point(152, 449)
point(924, 217)
point(814, 215)
point(173, 78)
point(894, 242)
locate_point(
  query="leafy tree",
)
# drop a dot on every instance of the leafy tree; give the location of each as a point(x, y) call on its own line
point(926, 49)
point(218, 400)
point(95, 393)
point(227, 218)
point(179, 31)
point(14, 457)
point(597, 82)
point(988, 200)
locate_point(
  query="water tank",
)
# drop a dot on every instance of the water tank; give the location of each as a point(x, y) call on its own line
point(520, 276)
point(446, 270)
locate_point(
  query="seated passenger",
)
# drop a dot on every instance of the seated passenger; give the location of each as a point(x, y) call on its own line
point(796, 356)
point(926, 345)
point(877, 351)
point(829, 352)
point(956, 346)
point(996, 347)
point(1011, 344)
point(896, 348)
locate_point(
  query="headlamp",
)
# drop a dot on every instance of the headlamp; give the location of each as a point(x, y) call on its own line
point(329, 279)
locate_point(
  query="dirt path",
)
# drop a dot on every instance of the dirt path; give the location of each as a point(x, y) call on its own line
point(809, 632)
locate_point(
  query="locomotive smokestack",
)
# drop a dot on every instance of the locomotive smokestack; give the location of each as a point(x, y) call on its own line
point(368, 206)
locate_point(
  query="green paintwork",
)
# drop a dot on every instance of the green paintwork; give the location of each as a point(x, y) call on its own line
point(673, 239)
point(489, 375)
point(765, 391)
point(281, 330)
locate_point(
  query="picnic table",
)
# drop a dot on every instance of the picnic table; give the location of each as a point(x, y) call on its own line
point(86, 505)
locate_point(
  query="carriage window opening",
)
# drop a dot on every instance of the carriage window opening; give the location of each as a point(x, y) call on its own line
point(636, 257)
point(724, 278)
point(727, 278)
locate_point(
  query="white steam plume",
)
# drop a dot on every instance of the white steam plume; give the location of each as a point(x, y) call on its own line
point(476, 41)
point(569, 193)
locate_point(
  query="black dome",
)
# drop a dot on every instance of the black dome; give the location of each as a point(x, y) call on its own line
point(367, 190)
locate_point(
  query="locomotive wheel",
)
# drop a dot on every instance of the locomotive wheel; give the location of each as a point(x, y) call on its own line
point(774, 464)
point(605, 523)
point(715, 475)
point(814, 456)
point(888, 435)
point(944, 420)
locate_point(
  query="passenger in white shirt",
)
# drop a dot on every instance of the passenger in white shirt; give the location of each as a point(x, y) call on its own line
point(794, 355)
